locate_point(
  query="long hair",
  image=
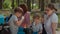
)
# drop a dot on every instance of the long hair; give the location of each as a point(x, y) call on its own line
point(24, 7)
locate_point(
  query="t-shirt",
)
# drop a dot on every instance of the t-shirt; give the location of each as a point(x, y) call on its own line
point(37, 27)
point(13, 26)
point(47, 23)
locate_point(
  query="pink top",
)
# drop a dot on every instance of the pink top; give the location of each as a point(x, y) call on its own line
point(26, 20)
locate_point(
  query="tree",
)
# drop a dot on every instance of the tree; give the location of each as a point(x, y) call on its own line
point(0, 4)
point(39, 4)
point(32, 4)
point(25, 1)
point(29, 4)
point(7, 4)
point(17, 1)
point(52, 1)
point(12, 4)
point(42, 5)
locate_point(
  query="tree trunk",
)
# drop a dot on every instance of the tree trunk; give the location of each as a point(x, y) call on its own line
point(42, 5)
point(32, 4)
point(17, 1)
point(39, 4)
point(12, 4)
point(0, 4)
point(52, 1)
point(29, 4)
point(24, 1)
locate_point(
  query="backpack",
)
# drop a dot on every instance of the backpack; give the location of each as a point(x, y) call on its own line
point(28, 31)
point(6, 30)
point(8, 18)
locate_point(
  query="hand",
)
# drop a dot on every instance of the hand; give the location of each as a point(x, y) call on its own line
point(22, 17)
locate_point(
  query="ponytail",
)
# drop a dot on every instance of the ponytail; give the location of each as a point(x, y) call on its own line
point(51, 6)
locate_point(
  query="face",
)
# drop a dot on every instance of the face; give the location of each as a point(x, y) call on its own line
point(19, 14)
point(36, 20)
point(48, 11)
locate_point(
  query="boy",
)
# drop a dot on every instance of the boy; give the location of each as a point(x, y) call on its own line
point(36, 25)
point(14, 22)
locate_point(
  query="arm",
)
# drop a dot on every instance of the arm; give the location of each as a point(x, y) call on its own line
point(54, 24)
point(20, 21)
point(40, 32)
point(17, 22)
point(54, 28)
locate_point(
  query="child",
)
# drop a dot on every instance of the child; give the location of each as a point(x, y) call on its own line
point(36, 25)
point(14, 22)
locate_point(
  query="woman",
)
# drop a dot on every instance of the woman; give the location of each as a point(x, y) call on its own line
point(26, 15)
point(51, 19)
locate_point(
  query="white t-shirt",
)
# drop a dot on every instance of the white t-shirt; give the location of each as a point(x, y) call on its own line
point(37, 27)
point(13, 26)
point(47, 23)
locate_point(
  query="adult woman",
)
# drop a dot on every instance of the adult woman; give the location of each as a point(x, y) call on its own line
point(51, 19)
point(26, 15)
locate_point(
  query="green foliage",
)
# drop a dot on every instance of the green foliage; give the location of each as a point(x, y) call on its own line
point(15, 4)
point(7, 4)
point(21, 1)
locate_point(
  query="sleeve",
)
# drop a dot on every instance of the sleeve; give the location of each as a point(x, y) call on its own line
point(15, 19)
point(55, 19)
